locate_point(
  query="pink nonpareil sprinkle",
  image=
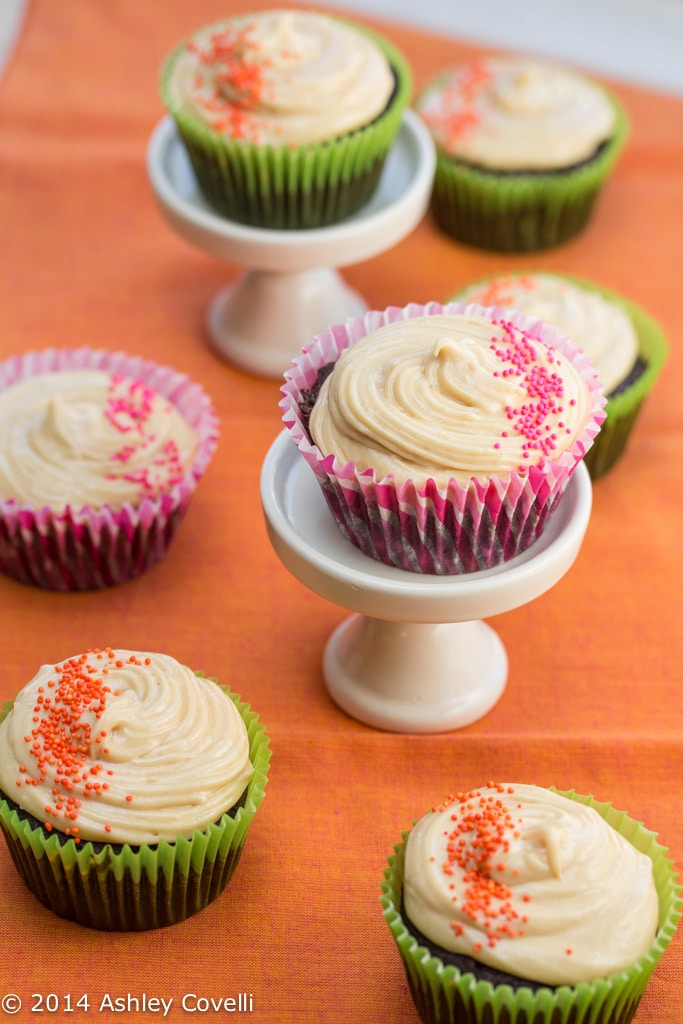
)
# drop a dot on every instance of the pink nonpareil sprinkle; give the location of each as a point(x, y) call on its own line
point(130, 407)
point(544, 387)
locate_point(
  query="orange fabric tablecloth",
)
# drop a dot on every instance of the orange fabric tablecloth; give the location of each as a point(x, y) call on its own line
point(594, 696)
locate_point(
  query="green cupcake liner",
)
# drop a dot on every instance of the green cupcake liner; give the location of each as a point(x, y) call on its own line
point(444, 995)
point(135, 888)
point(522, 212)
point(622, 409)
point(292, 188)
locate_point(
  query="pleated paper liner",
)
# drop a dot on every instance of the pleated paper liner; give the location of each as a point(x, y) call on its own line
point(522, 212)
point(89, 549)
point(135, 888)
point(623, 408)
point(292, 187)
point(444, 995)
point(441, 531)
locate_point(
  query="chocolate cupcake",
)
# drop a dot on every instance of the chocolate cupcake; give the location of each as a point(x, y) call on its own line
point(127, 785)
point(524, 148)
point(443, 436)
point(626, 345)
point(529, 903)
point(286, 115)
point(100, 455)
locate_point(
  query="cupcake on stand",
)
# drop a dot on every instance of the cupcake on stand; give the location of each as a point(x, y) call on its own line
point(277, 193)
point(421, 561)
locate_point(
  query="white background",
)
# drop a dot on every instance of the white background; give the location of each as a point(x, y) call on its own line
point(638, 41)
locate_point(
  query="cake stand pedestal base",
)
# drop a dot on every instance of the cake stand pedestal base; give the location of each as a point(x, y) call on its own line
point(290, 289)
point(407, 676)
point(258, 322)
point(415, 656)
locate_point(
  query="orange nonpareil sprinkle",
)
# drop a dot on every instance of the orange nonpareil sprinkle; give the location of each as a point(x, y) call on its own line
point(457, 113)
point(501, 291)
point(235, 79)
point(61, 740)
point(481, 830)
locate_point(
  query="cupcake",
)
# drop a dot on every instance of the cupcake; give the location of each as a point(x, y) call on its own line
point(128, 783)
point(529, 905)
point(286, 115)
point(100, 454)
point(524, 147)
point(442, 436)
point(627, 347)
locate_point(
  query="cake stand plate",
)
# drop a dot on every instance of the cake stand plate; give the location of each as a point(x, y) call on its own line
point(415, 655)
point(289, 289)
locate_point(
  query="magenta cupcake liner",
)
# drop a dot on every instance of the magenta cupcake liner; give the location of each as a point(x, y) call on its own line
point(443, 531)
point(87, 549)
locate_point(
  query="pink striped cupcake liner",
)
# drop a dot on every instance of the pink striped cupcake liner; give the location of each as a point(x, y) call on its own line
point(88, 549)
point(449, 530)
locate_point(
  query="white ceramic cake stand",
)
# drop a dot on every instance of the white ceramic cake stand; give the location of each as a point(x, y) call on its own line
point(415, 656)
point(289, 289)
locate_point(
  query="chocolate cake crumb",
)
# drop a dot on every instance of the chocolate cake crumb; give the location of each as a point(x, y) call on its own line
point(309, 396)
point(636, 371)
point(469, 965)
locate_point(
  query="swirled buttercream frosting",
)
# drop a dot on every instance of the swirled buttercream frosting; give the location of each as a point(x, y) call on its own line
point(282, 77)
point(531, 883)
point(123, 747)
point(449, 396)
point(89, 438)
point(512, 114)
point(601, 328)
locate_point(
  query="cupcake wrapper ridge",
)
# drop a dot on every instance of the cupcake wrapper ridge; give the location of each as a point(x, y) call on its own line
point(444, 995)
point(142, 887)
point(522, 212)
point(442, 531)
point(298, 187)
point(622, 410)
point(87, 549)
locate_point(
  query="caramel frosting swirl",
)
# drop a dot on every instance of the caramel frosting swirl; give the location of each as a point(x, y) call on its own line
point(282, 77)
point(531, 883)
point(124, 747)
point(89, 438)
point(514, 114)
point(449, 396)
point(600, 327)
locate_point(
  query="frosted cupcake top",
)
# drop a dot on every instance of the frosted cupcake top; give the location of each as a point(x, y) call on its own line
point(281, 77)
point(450, 396)
point(515, 114)
point(601, 328)
point(531, 883)
point(123, 747)
point(89, 438)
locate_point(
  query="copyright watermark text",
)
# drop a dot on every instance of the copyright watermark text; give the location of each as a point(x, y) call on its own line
point(60, 1003)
